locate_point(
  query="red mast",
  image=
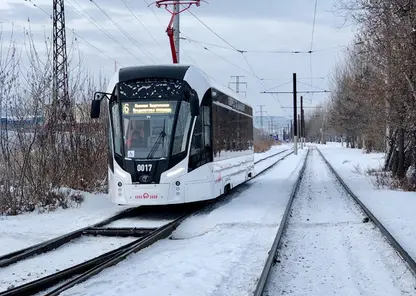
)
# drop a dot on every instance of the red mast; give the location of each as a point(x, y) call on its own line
point(170, 31)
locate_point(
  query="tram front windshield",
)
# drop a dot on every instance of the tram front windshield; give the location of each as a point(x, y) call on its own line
point(156, 118)
point(147, 128)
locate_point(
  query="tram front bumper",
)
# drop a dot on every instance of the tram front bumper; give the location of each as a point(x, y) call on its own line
point(151, 194)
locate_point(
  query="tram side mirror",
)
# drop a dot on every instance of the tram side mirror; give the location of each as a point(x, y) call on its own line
point(96, 104)
point(194, 105)
point(95, 108)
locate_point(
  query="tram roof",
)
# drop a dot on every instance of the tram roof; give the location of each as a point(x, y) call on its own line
point(173, 71)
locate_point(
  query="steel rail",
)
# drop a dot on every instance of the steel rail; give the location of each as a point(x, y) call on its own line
point(162, 232)
point(56, 242)
point(393, 242)
point(270, 156)
point(51, 280)
point(271, 258)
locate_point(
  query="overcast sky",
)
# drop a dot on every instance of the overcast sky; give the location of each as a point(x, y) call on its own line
point(253, 26)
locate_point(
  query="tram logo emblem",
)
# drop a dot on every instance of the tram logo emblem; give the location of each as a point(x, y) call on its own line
point(145, 178)
point(146, 196)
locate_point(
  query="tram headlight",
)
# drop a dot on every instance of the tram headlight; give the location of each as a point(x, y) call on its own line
point(177, 183)
point(119, 184)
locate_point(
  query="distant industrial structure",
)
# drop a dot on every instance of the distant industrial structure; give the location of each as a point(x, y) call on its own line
point(29, 122)
point(273, 125)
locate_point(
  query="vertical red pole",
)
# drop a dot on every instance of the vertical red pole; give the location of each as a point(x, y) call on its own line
point(176, 11)
point(172, 45)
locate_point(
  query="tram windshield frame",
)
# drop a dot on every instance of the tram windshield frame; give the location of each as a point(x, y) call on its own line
point(155, 119)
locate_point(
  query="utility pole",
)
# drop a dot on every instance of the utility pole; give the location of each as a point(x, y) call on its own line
point(261, 115)
point(295, 121)
point(302, 133)
point(237, 83)
point(173, 27)
point(176, 29)
point(61, 104)
point(295, 92)
point(303, 126)
point(323, 127)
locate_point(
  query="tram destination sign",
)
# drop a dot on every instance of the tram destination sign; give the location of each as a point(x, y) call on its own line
point(147, 108)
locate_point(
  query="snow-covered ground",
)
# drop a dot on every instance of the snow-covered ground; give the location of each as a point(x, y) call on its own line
point(328, 250)
point(221, 252)
point(17, 232)
point(273, 150)
point(394, 208)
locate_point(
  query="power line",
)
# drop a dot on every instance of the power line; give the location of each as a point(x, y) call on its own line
point(231, 63)
point(258, 78)
point(224, 59)
point(304, 78)
point(291, 92)
point(280, 85)
point(265, 51)
point(313, 30)
point(92, 45)
point(123, 31)
point(206, 26)
point(73, 31)
point(313, 24)
point(233, 47)
point(307, 84)
point(88, 17)
point(140, 22)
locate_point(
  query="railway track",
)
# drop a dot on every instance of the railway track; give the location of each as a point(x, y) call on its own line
point(347, 230)
point(62, 280)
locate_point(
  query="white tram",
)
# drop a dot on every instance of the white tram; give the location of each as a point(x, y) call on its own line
point(175, 136)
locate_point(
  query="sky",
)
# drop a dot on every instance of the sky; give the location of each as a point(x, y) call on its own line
point(129, 32)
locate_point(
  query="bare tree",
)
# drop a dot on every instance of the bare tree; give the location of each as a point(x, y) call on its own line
point(35, 168)
point(374, 89)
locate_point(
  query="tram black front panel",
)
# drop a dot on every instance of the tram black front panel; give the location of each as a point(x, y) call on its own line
point(146, 171)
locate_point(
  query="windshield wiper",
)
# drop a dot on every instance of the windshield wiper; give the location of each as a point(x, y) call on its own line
point(160, 139)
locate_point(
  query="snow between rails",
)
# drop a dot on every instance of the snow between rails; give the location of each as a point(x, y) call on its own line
point(328, 250)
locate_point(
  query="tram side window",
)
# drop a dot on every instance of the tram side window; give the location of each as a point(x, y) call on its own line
point(110, 149)
point(207, 127)
point(116, 128)
point(182, 128)
point(201, 144)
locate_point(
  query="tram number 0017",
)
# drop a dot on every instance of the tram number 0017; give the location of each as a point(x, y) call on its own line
point(144, 167)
